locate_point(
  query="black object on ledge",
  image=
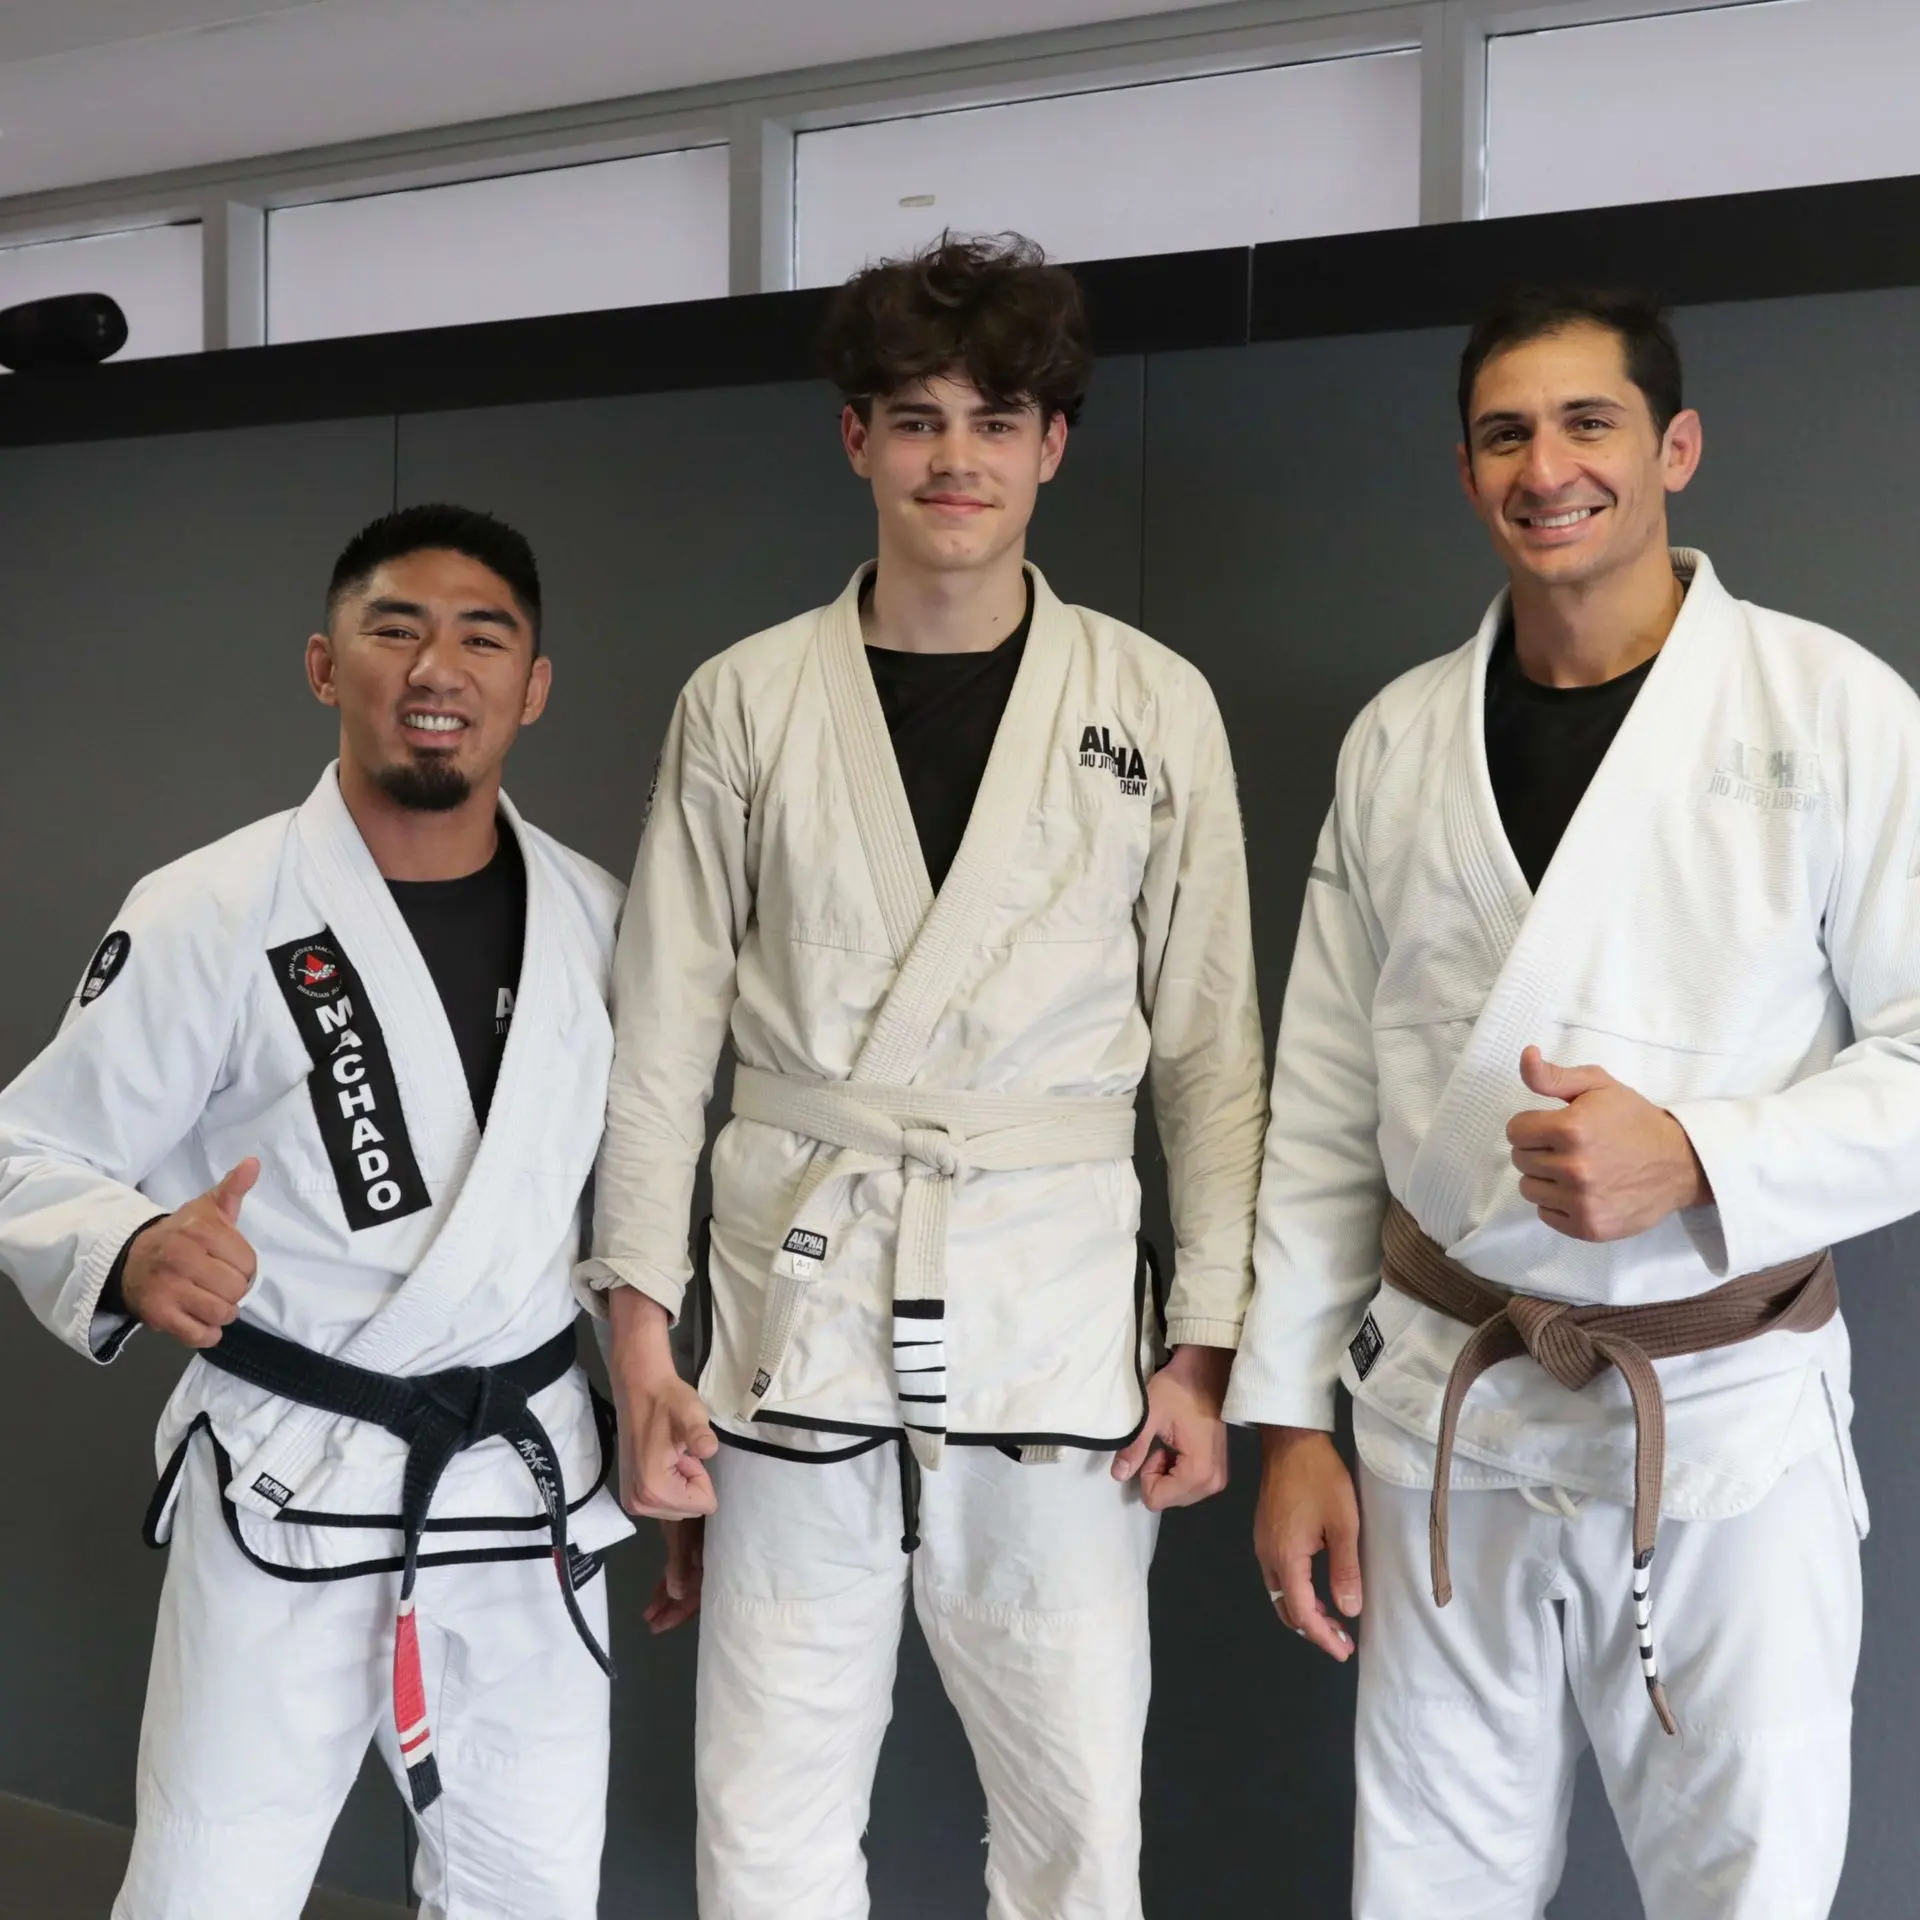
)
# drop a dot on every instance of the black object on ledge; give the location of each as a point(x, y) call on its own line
point(68, 330)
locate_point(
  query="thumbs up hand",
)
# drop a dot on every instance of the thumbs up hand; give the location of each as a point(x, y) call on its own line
point(1606, 1165)
point(187, 1274)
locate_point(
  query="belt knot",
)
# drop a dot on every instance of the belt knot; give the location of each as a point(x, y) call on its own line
point(931, 1153)
point(1553, 1334)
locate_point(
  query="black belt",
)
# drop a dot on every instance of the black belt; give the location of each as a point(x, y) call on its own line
point(438, 1415)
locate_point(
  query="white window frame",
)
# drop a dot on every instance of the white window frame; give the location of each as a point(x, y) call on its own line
point(759, 119)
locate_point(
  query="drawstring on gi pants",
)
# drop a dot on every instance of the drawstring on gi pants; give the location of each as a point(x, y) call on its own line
point(909, 1495)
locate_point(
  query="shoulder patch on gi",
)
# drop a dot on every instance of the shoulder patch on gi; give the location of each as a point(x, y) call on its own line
point(356, 1100)
point(104, 968)
point(1366, 1347)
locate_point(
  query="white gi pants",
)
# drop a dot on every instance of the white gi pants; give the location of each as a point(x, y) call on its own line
point(264, 1694)
point(1472, 1716)
point(1030, 1583)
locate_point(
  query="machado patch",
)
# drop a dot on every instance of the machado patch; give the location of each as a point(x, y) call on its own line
point(1366, 1347)
point(104, 968)
point(356, 1101)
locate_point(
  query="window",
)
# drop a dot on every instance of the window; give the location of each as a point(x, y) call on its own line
point(1779, 94)
point(1272, 154)
point(618, 233)
point(153, 272)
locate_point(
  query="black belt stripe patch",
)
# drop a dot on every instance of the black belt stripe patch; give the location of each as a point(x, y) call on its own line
point(356, 1100)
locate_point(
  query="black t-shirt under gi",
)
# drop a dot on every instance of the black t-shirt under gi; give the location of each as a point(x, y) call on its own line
point(470, 932)
point(943, 710)
point(1544, 745)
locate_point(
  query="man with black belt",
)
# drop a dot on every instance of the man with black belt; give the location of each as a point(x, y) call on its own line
point(1642, 826)
point(323, 1109)
point(956, 864)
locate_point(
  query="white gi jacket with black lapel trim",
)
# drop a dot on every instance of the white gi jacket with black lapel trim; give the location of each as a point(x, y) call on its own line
point(390, 1231)
point(1093, 931)
point(1730, 926)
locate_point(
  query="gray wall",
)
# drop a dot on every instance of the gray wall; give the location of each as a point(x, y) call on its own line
point(1287, 516)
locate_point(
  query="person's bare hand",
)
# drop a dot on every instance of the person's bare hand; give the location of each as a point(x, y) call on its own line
point(187, 1274)
point(665, 1435)
point(1180, 1452)
point(1608, 1164)
point(676, 1599)
point(1307, 1506)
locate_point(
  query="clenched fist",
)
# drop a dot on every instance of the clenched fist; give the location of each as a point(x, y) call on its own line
point(1606, 1165)
point(665, 1437)
point(187, 1274)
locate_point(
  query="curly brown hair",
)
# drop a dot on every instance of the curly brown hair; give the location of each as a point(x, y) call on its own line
point(987, 306)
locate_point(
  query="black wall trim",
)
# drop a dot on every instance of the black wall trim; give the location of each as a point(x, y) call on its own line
point(1745, 246)
point(1802, 240)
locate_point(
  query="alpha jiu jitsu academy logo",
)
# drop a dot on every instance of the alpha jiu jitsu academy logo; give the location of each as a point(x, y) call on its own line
point(1774, 779)
point(1099, 749)
point(356, 1100)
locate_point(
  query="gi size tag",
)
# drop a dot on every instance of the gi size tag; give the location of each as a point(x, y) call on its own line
point(581, 1567)
point(104, 968)
point(268, 1488)
point(1366, 1347)
point(356, 1100)
point(803, 1250)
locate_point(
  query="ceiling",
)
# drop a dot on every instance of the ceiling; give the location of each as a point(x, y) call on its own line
point(100, 89)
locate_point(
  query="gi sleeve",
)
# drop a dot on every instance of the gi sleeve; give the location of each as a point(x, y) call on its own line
point(122, 1084)
point(672, 998)
point(1838, 1153)
point(1323, 1189)
point(1202, 1006)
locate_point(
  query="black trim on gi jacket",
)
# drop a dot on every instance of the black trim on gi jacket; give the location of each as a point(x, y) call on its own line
point(1850, 237)
point(603, 1419)
point(1148, 1290)
point(334, 1015)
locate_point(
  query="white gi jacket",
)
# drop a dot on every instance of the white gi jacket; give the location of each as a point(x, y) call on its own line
point(1730, 926)
point(390, 1231)
point(1094, 924)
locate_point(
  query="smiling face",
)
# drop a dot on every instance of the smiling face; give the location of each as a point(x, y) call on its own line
point(431, 663)
point(954, 475)
point(1564, 463)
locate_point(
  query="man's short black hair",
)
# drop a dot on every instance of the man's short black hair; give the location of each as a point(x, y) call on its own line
point(440, 527)
point(1633, 316)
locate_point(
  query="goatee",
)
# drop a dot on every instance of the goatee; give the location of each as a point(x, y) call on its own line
point(424, 786)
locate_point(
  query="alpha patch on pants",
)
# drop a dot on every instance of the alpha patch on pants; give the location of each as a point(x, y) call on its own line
point(356, 1100)
point(104, 968)
point(1366, 1347)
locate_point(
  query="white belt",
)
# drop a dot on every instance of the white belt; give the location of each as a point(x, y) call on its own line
point(936, 1138)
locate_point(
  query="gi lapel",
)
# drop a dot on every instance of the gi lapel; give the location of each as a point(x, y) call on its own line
point(934, 942)
point(423, 1315)
point(1613, 826)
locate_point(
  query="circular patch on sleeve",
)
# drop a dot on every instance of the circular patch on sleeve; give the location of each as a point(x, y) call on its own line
point(105, 966)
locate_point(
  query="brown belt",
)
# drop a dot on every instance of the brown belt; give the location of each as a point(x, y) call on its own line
point(1576, 1345)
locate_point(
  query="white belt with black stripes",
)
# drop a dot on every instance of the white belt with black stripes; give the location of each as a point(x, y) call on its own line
point(935, 1138)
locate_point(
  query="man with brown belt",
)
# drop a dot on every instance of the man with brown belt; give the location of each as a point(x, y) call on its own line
point(1639, 824)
